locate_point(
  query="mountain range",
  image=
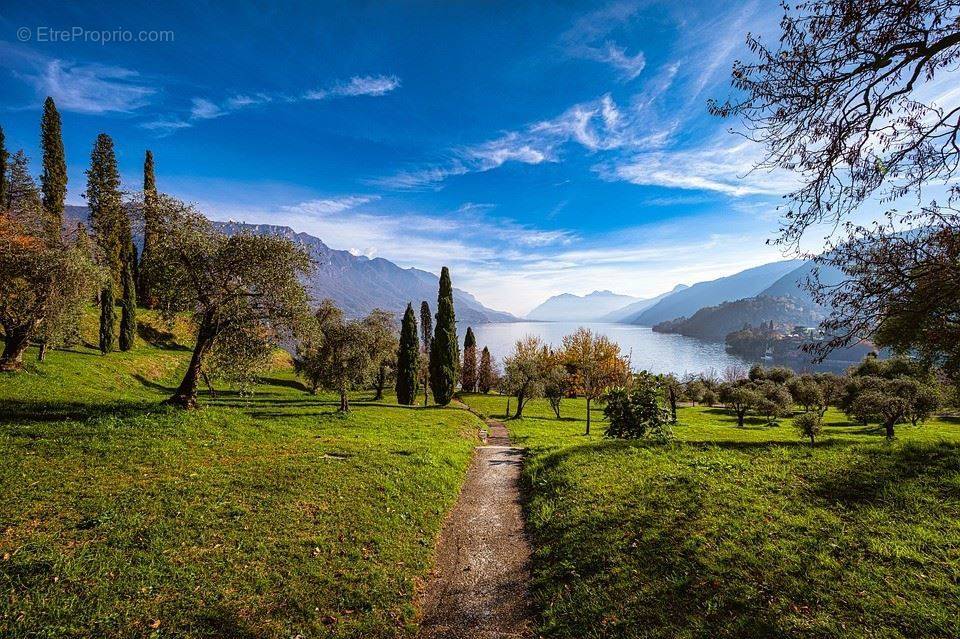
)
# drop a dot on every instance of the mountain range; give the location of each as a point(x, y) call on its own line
point(358, 284)
point(639, 306)
point(749, 283)
point(577, 308)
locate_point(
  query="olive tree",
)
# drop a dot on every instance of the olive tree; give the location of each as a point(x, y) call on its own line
point(242, 282)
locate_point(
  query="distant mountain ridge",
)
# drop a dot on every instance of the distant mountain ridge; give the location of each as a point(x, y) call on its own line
point(585, 308)
point(357, 283)
point(714, 323)
point(635, 308)
point(685, 303)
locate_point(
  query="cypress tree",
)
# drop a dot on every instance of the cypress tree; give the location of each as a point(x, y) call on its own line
point(150, 225)
point(408, 359)
point(426, 334)
point(485, 376)
point(468, 378)
point(4, 194)
point(444, 350)
point(111, 226)
point(53, 180)
point(107, 317)
point(128, 305)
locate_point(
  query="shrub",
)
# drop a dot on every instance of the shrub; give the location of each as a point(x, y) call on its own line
point(808, 425)
point(636, 413)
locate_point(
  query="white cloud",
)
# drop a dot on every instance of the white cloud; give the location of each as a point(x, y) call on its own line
point(204, 109)
point(722, 167)
point(629, 66)
point(372, 85)
point(330, 206)
point(91, 88)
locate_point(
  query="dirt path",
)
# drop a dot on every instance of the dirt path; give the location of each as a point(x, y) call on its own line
point(478, 588)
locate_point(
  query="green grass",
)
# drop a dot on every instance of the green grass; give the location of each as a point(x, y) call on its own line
point(741, 532)
point(261, 516)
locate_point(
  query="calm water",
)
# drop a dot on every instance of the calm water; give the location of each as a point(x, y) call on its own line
point(655, 352)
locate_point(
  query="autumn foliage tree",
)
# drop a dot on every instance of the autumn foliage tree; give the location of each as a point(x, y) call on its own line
point(45, 278)
point(595, 365)
point(226, 283)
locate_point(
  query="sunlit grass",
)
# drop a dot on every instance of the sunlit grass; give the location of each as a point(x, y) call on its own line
point(741, 532)
point(261, 516)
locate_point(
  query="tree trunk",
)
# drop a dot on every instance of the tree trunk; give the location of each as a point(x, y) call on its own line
point(381, 381)
point(206, 380)
point(507, 412)
point(16, 342)
point(519, 412)
point(812, 442)
point(186, 395)
point(344, 404)
point(740, 415)
point(673, 404)
point(42, 353)
point(889, 428)
point(588, 414)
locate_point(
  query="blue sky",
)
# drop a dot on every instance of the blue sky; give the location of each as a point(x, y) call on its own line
point(535, 148)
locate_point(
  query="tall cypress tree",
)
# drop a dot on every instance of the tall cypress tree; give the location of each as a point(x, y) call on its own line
point(426, 335)
point(53, 180)
point(4, 193)
point(108, 316)
point(485, 376)
point(468, 377)
point(128, 305)
point(111, 226)
point(408, 359)
point(444, 350)
point(150, 226)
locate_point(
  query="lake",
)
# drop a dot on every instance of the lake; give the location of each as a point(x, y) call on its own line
point(655, 352)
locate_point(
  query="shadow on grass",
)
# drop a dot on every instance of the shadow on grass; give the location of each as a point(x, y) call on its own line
point(634, 563)
point(14, 411)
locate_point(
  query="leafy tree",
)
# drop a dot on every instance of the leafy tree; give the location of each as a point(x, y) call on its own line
point(807, 392)
point(637, 412)
point(444, 350)
point(426, 335)
point(672, 389)
point(408, 359)
point(485, 377)
point(468, 376)
point(773, 401)
point(4, 156)
point(846, 99)
point(150, 229)
point(595, 364)
point(111, 228)
point(808, 425)
point(695, 391)
point(524, 371)
point(740, 398)
point(307, 362)
point(241, 282)
point(381, 339)
point(45, 282)
point(889, 402)
point(339, 358)
point(53, 180)
point(556, 382)
point(710, 397)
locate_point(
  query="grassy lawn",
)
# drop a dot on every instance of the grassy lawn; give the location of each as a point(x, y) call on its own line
point(741, 532)
point(258, 516)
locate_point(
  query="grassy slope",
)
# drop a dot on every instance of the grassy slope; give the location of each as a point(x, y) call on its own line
point(731, 532)
point(265, 516)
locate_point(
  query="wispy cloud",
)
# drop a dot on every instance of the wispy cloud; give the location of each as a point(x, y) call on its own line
point(628, 66)
point(725, 167)
point(372, 85)
point(90, 88)
point(330, 206)
point(202, 108)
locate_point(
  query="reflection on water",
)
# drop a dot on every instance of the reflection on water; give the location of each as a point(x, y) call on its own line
point(655, 352)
